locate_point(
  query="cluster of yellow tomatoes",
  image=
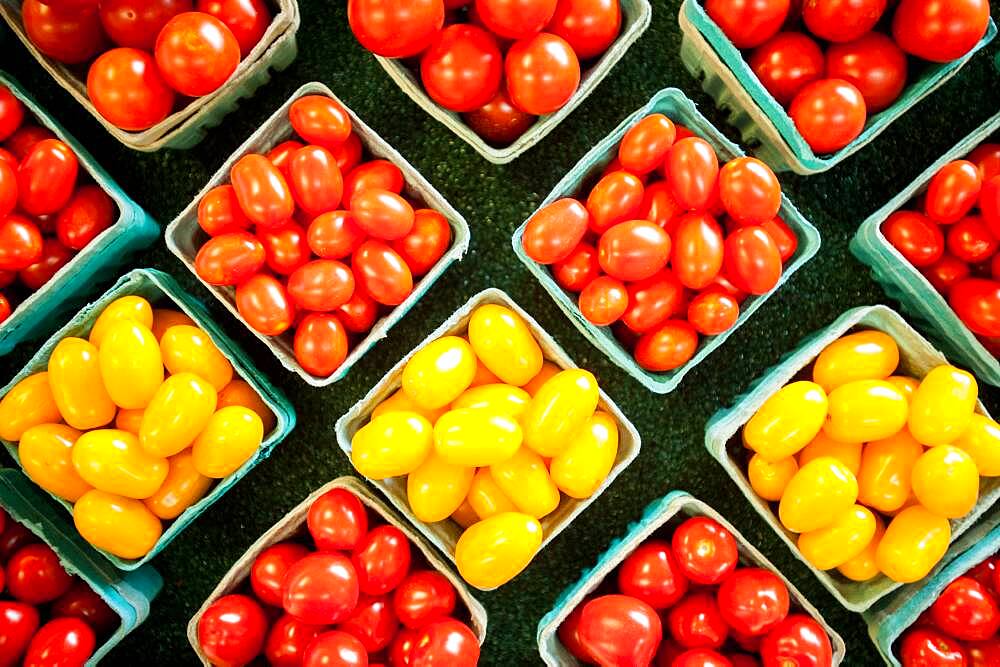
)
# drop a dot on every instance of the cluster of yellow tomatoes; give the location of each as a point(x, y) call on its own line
point(490, 434)
point(133, 424)
point(859, 447)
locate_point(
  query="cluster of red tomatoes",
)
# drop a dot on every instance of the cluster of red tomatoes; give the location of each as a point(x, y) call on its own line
point(716, 613)
point(863, 71)
point(954, 240)
point(315, 238)
point(646, 252)
point(45, 214)
point(147, 51)
point(499, 62)
point(35, 587)
point(355, 597)
point(961, 628)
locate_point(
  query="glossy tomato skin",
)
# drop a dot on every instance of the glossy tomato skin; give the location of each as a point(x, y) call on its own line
point(337, 521)
point(287, 641)
point(69, 36)
point(515, 19)
point(554, 230)
point(320, 120)
point(659, 206)
point(262, 191)
point(695, 622)
point(219, 212)
point(321, 285)
point(229, 259)
point(54, 256)
point(11, 114)
point(669, 345)
point(692, 169)
point(698, 250)
point(446, 642)
point(136, 23)
point(263, 302)
point(603, 301)
point(706, 552)
point(615, 198)
point(381, 559)
point(498, 121)
point(89, 212)
point(966, 610)
point(829, 114)
point(8, 188)
point(373, 622)
point(232, 630)
point(977, 302)
point(569, 633)
point(321, 588)
point(952, 192)
point(373, 174)
point(650, 573)
point(797, 640)
point(578, 269)
point(462, 68)
point(633, 250)
point(926, 647)
point(81, 601)
point(983, 654)
point(65, 642)
point(423, 596)
point(247, 19)
point(127, 89)
point(753, 600)
point(334, 235)
point(787, 62)
point(940, 32)
point(646, 144)
point(24, 138)
point(20, 243)
point(653, 300)
point(618, 629)
point(841, 20)
point(426, 242)
point(395, 28)
point(18, 623)
point(713, 311)
point(382, 273)
point(46, 177)
point(335, 648)
point(748, 23)
point(915, 236)
point(589, 26)
point(874, 65)
point(542, 73)
point(749, 190)
point(315, 180)
point(269, 568)
point(971, 240)
point(701, 657)
point(286, 248)
point(752, 260)
point(382, 214)
point(320, 343)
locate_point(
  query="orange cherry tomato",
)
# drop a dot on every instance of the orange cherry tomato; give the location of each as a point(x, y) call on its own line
point(515, 19)
point(320, 343)
point(321, 285)
point(603, 301)
point(426, 242)
point(653, 300)
point(219, 212)
point(542, 72)
point(373, 174)
point(334, 235)
point(229, 259)
point(395, 28)
point(315, 179)
point(320, 120)
point(285, 248)
point(196, 53)
point(128, 90)
point(382, 273)
point(749, 190)
point(783, 236)
point(578, 269)
point(668, 346)
point(692, 169)
point(829, 114)
point(659, 206)
point(552, 233)
point(261, 191)
point(382, 214)
point(713, 311)
point(698, 250)
point(633, 250)
point(615, 198)
point(265, 305)
point(646, 144)
point(358, 314)
point(281, 155)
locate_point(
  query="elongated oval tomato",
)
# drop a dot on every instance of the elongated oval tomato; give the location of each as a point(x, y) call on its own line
point(229, 259)
point(265, 305)
point(314, 176)
point(219, 212)
point(615, 198)
point(320, 120)
point(554, 230)
point(646, 143)
point(262, 191)
point(952, 192)
point(320, 343)
point(752, 261)
point(749, 191)
point(46, 177)
point(426, 242)
point(321, 285)
point(698, 250)
point(692, 169)
point(633, 250)
point(382, 273)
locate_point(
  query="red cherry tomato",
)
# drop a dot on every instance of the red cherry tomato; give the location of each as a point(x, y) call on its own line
point(67, 35)
point(35, 575)
point(966, 610)
point(401, 650)
point(977, 302)
point(395, 28)
point(615, 198)
point(989, 204)
point(940, 32)
point(552, 233)
point(701, 657)
point(46, 177)
point(262, 191)
point(752, 260)
point(320, 343)
point(653, 300)
point(67, 642)
point(668, 346)
point(24, 139)
point(650, 574)
point(80, 601)
point(841, 20)
point(706, 551)
point(18, 624)
point(462, 68)
point(603, 301)
point(542, 73)
point(985, 573)
point(569, 634)
point(713, 311)
point(136, 23)
point(829, 114)
point(916, 237)
point(269, 568)
point(382, 273)
point(749, 190)
point(374, 174)
point(578, 269)
point(499, 122)
point(753, 600)
point(445, 642)
point(54, 256)
point(797, 640)
point(620, 630)
point(986, 157)
point(229, 259)
point(646, 144)
point(359, 313)
point(321, 589)
point(20, 243)
point(320, 120)
point(287, 641)
point(315, 180)
point(692, 170)
point(422, 597)
point(373, 622)
point(952, 192)
point(382, 214)
point(633, 250)
point(232, 630)
point(698, 250)
point(426, 242)
point(335, 649)
point(515, 19)
point(970, 240)
point(263, 302)
point(381, 559)
point(983, 654)
point(281, 155)
point(786, 63)
point(247, 19)
point(286, 248)
point(696, 622)
point(589, 26)
point(196, 53)
point(219, 212)
point(334, 235)
point(13, 538)
point(11, 114)
point(337, 521)
point(783, 236)
point(89, 212)
point(748, 23)
point(8, 188)
point(128, 90)
point(873, 64)
point(659, 206)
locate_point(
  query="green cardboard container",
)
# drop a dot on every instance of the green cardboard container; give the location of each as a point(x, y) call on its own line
point(672, 103)
point(904, 282)
point(128, 595)
point(132, 231)
point(160, 289)
point(726, 76)
point(916, 358)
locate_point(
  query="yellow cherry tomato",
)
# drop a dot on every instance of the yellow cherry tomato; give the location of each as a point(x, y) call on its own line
point(188, 348)
point(183, 487)
point(863, 566)
point(886, 470)
point(131, 366)
point(436, 489)
point(164, 318)
point(851, 531)
point(534, 384)
point(581, 468)
point(400, 402)
point(119, 525)
point(46, 454)
point(769, 479)
point(906, 385)
point(866, 355)
point(787, 421)
point(77, 386)
point(394, 444)
point(483, 376)
point(113, 461)
point(912, 545)
point(946, 481)
point(486, 497)
point(472, 437)
point(239, 392)
point(865, 410)
point(127, 308)
point(818, 493)
point(502, 399)
point(505, 345)
point(230, 438)
point(439, 372)
point(493, 551)
point(179, 411)
point(129, 420)
point(848, 453)
point(981, 441)
point(524, 479)
point(559, 409)
point(943, 405)
point(28, 403)
point(465, 516)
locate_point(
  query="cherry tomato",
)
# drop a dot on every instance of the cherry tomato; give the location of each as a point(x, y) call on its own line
point(381, 559)
point(80, 601)
point(659, 206)
point(11, 114)
point(542, 72)
point(552, 233)
point(426, 242)
point(515, 19)
point(348, 153)
point(668, 346)
point(633, 250)
point(618, 629)
point(35, 575)
point(829, 114)
point(321, 588)
point(219, 212)
point(841, 20)
point(20, 243)
point(702, 657)
point(247, 19)
point(269, 568)
point(67, 642)
point(653, 300)
point(713, 311)
point(915, 236)
point(698, 250)
point(983, 654)
point(373, 622)
point(229, 259)
point(46, 177)
point(401, 649)
point(320, 343)
point(265, 305)
point(646, 144)
point(748, 24)
point(692, 169)
point(940, 33)
point(334, 235)
point(261, 190)
point(589, 26)
point(89, 212)
point(286, 248)
point(874, 64)
point(54, 256)
point(578, 269)
point(989, 203)
point(462, 67)
point(359, 313)
point(136, 23)
point(925, 647)
point(128, 90)
point(18, 624)
point(752, 260)
point(320, 120)
point(232, 630)
point(395, 28)
point(971, 241)
point(977, 302)
point(695, 622)
point(651, 574)
point(321, 285)
point(281, 155)
point(952, 192)
point(315, 180)
point(569, 633)
point(24, 139)
point(382, 214)
point(374, 174)
point(614, 199)
point(603, 301)
point(382, 273)
point(749, 190)
point(498, 121)
point(287, 641)
point(966, 610)
point(753, 600)
point(196, 53)
point(422, 597)
point(786, 63)
point(67, 35)
point(13, 538)
point(337, 520)
point(706, 551)
point(797, 640)
point(8, 188)
point(336, 648)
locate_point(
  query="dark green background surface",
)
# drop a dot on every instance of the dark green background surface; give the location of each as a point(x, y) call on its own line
point(495, 200)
